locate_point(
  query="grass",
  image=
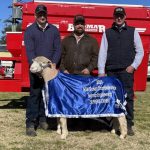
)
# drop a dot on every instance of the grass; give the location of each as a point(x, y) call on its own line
point(12, 129)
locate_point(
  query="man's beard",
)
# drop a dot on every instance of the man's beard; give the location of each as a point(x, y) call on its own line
point(79, 32)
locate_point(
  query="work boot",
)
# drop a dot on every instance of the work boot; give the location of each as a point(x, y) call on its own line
point(130, 131)
point(31, 132)
point(43, 125)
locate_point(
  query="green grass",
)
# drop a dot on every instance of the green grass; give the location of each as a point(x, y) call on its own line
point(12, 129)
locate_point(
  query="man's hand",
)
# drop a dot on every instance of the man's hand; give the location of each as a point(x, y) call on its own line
point(85, 71)
point(130, 69)
point(66, 71)
point(102, 75)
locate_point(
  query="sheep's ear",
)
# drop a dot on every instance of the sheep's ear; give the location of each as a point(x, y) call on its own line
point(49, 63)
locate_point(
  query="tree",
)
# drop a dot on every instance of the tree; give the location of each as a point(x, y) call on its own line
point(8, 25)
point(8, 28)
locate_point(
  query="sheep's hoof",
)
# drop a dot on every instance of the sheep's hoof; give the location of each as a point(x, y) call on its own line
point(122, 136)
point(59, 131)
point(113, 131)
point(63, 136)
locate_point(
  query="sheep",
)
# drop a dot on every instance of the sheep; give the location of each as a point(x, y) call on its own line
point(48, 71)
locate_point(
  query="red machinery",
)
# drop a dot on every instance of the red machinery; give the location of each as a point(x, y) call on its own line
point(98, 18)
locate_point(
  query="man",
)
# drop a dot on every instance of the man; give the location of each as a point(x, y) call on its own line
point(120, 54)
point(79, 50)
point(41, 39)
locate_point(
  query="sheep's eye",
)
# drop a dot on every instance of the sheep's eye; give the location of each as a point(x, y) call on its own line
point(43, 64)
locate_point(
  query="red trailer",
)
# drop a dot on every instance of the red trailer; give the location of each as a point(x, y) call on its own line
point(98, 18)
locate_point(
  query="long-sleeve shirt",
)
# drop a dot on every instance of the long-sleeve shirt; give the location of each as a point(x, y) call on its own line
point(40, 42)
point(104, 47)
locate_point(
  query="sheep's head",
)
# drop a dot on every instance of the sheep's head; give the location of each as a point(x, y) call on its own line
point(40, 63)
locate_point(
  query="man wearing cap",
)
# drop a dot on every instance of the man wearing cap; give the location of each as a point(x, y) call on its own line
point(41, 39)
point(79, 50)
point(121, 52)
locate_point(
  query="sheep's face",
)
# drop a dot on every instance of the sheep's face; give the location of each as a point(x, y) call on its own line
point(35, 67)
point(39, 63)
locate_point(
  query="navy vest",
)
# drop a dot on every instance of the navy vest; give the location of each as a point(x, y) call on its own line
point(121, 50)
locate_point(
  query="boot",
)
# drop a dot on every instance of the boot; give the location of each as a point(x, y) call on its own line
point(31, 132)
point(130, 131)
point(43, 125)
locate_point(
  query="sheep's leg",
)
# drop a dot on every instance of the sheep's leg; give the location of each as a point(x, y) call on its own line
point(123, 126)
point(115, 125)
point(63, 123)
point(58, 126)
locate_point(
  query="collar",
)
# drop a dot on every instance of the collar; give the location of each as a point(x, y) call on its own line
point(83, 35)
point(123, 27)
point(41, 28)
point(78, 37)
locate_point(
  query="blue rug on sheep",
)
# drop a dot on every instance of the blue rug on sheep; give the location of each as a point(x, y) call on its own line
point(75, 96)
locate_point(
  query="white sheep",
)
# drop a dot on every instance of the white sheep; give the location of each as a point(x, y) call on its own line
point(48, 71)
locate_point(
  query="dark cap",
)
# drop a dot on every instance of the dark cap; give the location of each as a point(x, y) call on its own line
point(79, 19)
point(41, 8)
point(119, 10)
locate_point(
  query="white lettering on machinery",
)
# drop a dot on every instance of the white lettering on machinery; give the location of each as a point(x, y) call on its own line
point(140, 29)
point(70, 27)
point(89, 28)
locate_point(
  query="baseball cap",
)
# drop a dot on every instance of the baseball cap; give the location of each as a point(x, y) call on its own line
point(119, 10)
point(79, 19)
point(40, 8)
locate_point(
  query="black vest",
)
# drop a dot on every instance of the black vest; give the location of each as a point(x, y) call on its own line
point(121, 50)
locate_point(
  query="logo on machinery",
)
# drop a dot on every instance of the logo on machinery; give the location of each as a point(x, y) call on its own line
point(97, 28)
point(89, 28)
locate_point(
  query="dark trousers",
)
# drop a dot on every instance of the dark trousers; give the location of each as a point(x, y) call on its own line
point(127, 80)
point(35, 111)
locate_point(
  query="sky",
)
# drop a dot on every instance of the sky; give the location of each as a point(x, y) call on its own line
point(6, 12)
